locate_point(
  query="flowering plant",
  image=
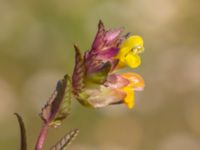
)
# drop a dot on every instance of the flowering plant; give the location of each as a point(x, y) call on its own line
point(97, 81)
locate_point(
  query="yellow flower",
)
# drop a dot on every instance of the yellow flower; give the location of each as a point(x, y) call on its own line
point(136, 82)
point(129, 99)
point(129, 52)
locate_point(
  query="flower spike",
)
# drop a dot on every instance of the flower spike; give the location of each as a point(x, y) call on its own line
point(95, 80)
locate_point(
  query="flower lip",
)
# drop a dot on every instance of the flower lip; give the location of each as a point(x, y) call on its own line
point(129, 52)
point(129, 98)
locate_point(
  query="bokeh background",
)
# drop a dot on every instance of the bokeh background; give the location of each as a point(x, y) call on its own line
point(36, 49)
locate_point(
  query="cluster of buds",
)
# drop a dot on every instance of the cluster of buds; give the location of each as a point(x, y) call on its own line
point(96, 81)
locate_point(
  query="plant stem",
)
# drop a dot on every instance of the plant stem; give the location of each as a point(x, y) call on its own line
point(42, 137)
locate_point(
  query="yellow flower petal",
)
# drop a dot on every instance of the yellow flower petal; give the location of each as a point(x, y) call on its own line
point(132, 60)
point(129, 99)
point(122, 54)
point(129, 50)
point(133, 42)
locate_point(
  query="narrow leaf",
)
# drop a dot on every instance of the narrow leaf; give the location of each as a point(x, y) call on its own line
point(64, 107)
point(79, 72)
point(65, 141)
point(57, 107)
point(23, 145)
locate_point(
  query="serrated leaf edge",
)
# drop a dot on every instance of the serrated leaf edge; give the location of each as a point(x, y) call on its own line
point(66, 140)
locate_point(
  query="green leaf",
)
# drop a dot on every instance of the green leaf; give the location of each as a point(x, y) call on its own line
point(98, 77)
point(65, 141)
point(58, 106)
point(23, 145)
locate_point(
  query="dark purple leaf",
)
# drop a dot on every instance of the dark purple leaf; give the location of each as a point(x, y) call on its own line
point(23, 145)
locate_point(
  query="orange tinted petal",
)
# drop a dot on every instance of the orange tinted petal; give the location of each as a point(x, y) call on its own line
point(137, 82)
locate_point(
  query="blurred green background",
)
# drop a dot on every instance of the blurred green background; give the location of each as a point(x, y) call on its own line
point(36, 49)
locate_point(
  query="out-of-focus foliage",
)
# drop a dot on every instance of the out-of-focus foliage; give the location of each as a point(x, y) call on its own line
point(36, 49)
